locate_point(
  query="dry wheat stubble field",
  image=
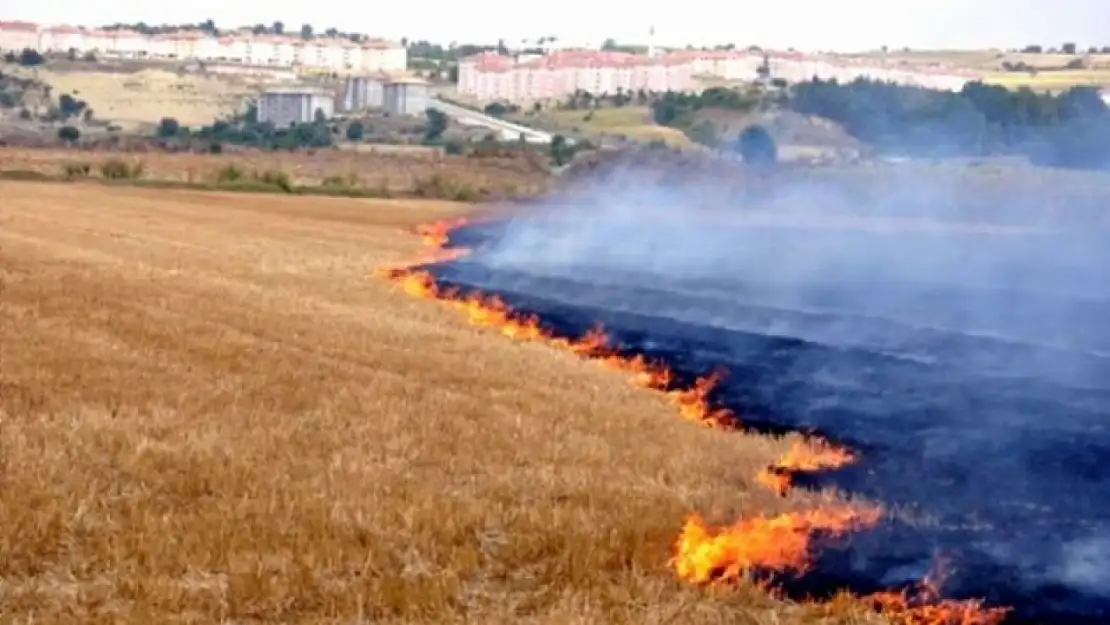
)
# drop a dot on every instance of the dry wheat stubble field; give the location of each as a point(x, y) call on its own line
point(210, 412)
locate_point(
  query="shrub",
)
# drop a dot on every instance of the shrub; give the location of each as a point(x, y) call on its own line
point(229, 174)
point(77, 170)
point(275, 178)
point(757, 147)
point(69, 134)
point(117, 169)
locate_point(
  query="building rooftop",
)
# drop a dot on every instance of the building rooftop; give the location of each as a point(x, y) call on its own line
point(296, 90)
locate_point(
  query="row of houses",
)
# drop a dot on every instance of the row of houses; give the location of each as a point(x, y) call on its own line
point(331, 54)
point(491, 76)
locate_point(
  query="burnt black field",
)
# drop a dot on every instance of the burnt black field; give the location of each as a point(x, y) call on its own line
point(967, 362)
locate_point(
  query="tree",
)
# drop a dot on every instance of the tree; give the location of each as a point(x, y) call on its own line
point(1068, 48)
point(756, 146)
point(30, 58)
point(1032, 49)
point(496, 109)
point(278, 28)
point(69, 134)
point(355, 131)
point(320, 117)
point(561, 150)
point(168, 127)
point(306, 31)
point(437, 124)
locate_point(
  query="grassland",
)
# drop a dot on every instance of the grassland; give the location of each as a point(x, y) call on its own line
point(1049, 75)
point(630, 122)
point(211, 412)
point(400, 174)
point(136, 99)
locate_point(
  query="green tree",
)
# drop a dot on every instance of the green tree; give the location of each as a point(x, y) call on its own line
point(561, 150)
point(496, 109)
point(1068, 48)
point(30, 58)
point(306, 31)
point(756, 146)
point(355, 131)
point(168, 127)
point(437, 124)
point(69, 134)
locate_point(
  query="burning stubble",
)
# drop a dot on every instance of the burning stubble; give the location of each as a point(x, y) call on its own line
point(705, 555)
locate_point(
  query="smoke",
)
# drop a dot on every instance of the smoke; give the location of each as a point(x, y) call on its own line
point(950, 320)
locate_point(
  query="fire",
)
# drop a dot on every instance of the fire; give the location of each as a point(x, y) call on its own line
point(923, 605)
point(786, 542)
point(781, 543)
point(808, 456)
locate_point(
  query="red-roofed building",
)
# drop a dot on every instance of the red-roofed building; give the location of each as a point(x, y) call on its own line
point(493, 77)
point(15, 36)
point(330, 54)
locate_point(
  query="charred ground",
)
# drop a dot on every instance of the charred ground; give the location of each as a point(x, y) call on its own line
point(944, 321)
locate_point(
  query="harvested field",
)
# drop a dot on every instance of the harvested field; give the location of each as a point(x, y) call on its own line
point(210, 411)
point(396, 172)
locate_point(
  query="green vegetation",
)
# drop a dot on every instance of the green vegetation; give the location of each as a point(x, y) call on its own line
point(1070, 129)
point(679, 110)
point(245, 130)
point(757, 147)
point(69, 134)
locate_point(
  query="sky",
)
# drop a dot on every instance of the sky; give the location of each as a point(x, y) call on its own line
point(843, 25)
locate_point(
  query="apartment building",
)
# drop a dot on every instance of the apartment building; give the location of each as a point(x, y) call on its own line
point(490, 76)
point(323, 54)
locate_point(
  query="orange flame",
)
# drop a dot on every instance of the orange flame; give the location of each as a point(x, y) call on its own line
point(808, 456)
point(781, 543)
point(703, 555)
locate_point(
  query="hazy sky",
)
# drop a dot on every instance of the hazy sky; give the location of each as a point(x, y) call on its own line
point(803, 24)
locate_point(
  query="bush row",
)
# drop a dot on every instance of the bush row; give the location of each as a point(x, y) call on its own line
point(235, 178)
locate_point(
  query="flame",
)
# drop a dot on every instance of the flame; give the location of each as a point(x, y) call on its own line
point(808, 456)
point(923, 605)
point(783, 543)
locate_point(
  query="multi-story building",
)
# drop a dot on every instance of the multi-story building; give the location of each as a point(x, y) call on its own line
point(285, 107)
point(490, 76)
point(324, 54)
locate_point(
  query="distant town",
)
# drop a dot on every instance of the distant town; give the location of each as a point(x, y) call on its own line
point(495, 75)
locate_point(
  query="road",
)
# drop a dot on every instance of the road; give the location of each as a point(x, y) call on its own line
point(509, 131)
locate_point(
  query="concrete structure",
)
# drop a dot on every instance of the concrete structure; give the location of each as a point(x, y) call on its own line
point(405, 97)
point(285, 107)
point(493, 77)
point(318, 54)
point(363, 92)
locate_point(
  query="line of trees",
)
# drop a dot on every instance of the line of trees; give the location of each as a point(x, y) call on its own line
point(1069, 129)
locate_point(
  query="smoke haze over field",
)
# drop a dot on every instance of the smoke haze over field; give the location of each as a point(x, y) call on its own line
point(968, 359)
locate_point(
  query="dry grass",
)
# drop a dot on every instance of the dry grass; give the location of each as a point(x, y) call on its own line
point(145, 97)
point(632, 122)
point(210, 413)
point(396, 172)
point(1051, 81)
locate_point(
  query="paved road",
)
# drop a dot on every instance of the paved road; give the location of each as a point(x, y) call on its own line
point(509, 131)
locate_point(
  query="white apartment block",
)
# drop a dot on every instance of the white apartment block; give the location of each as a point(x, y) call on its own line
point(493, 77)
point(328, 54)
